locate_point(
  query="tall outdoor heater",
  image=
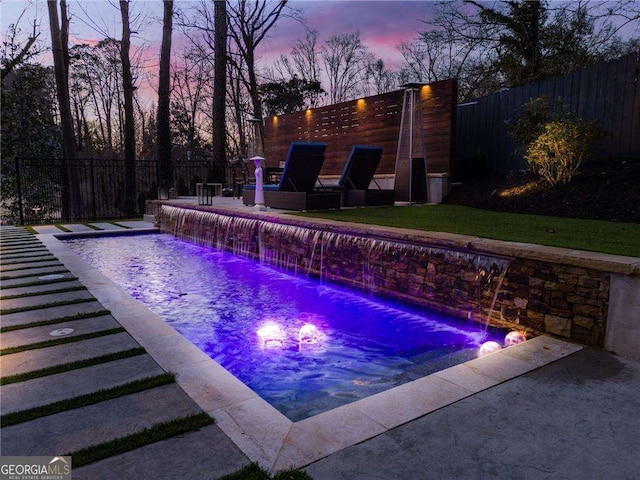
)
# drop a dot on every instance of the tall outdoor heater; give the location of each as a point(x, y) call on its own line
point(411, 159)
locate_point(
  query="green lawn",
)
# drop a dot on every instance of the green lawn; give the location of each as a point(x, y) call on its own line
point(592, 235)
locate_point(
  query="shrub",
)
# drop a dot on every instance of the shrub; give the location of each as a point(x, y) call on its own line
point(558, 152)
point(554, 141)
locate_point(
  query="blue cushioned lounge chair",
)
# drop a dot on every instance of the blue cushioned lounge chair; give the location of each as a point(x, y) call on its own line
point(296, 190)
point(357, 176)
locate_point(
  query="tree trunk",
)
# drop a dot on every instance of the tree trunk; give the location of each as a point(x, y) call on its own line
point(129, 200)
point(219, 89)
point(62, 91)
point(163, 142)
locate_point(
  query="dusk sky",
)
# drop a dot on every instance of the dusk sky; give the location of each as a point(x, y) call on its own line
point(382, 24)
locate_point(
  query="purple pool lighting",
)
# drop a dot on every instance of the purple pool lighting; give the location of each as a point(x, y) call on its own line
point(303, 346)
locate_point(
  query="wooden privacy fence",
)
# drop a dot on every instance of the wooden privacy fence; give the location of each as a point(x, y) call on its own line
point(371, 120)
point(608, 93)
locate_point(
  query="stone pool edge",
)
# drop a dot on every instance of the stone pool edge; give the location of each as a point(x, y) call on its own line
point(258, 429)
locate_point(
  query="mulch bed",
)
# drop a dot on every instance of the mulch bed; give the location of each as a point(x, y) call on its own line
point(602, 190)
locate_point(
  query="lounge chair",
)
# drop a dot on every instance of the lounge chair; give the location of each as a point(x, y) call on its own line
point(357, 177)
point(296, 190)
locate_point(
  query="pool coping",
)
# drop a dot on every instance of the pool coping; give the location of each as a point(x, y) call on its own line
point(264, 434)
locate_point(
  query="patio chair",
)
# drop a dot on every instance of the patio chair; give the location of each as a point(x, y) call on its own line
point(296, 190)
point(357, 177)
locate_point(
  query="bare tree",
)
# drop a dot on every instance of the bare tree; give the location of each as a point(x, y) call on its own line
point(14, 52)
point(249, 23)
point(62, 89)
point(163, 119)
point(219, 88)
point(380, 78)
point(191, 99)
point(129, 198)
point(345, 59)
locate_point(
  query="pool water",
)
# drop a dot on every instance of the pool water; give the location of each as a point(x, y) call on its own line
point(302, 345)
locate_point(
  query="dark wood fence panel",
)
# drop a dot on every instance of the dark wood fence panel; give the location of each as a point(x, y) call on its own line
point(607, 93)
point(368, 121)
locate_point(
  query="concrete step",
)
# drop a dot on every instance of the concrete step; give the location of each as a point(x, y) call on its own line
point(31, 360)
point(206, 453)
point(53, 388)
point(29, 336)
point(38, 300)
point(50, 313)
point(73, 430)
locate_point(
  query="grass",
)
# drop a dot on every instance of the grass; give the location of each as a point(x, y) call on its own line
point(590, 235)
point(254, 472)
point(66, 367)
point(86, 400)
point(153, 434)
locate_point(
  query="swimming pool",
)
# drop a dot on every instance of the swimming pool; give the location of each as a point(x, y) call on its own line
point(324, 345)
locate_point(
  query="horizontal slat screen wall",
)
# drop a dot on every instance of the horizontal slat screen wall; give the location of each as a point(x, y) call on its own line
point(368, 121)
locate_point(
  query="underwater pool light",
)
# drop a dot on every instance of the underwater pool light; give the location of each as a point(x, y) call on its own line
point(271, 335)
point(488, 347)
point(514, 338)
point(309, 334)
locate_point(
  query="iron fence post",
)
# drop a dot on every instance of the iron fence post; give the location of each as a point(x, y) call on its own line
point(19, 187)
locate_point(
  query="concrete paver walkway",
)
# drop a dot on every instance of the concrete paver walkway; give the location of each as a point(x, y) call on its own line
point(27, 284)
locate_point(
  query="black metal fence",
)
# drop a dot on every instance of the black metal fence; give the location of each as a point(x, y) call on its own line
point(608, 93)
point(53, 191)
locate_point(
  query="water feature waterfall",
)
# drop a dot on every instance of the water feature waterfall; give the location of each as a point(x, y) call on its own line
point(461, 283)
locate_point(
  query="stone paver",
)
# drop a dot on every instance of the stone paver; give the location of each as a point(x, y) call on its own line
point(31, 360)
point(29, 336)
point(14, 283)
point(106, 226)
point(136, 224)
point(33, 272)
point(78, 227)
point(45, 299)
point(47, 229)
point(61, 386)
point(73, 430)
point(39, 289)
point(42, 314)
point(205, 454)
point(36, 255)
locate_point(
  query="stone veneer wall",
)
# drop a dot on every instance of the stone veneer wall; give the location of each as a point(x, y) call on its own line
point(449, 273)
point(555, 298)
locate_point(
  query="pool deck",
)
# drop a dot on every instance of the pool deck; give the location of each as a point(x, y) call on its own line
point(543, 409)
